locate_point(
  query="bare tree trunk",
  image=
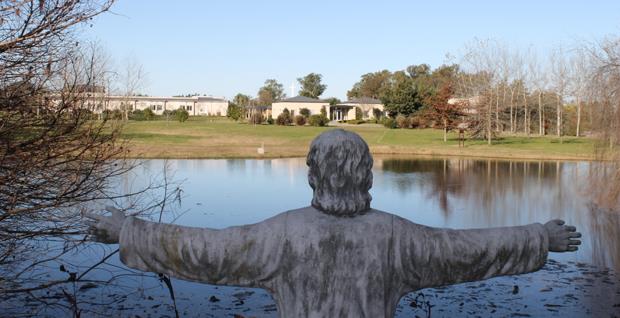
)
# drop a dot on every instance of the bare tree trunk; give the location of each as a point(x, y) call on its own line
point(512, 121)
point(489, 128)
point(578, 115)
point(559, 116)
point(497, 109)
point(526, 121)
point(540, 114)
point(504, 102)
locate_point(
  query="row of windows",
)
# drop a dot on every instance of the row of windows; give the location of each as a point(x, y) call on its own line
point(160, 107)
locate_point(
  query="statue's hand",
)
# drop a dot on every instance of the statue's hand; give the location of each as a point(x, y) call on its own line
point(562, 238)
point(106, 229)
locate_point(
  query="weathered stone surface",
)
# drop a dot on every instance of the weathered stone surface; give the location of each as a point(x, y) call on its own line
point(319, 265)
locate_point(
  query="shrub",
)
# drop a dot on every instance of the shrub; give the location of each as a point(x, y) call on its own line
point(414, 121)
point(422, 123)
point(318, 120)
point(256, 118)
point(148, 114)
point(300, 120)
point(137, 115)
point(270, 120)
point(305, 112)
point(233, 112)
point(112, 114)
point(355, 122)
point(284, 118)
point(358, 113)
point(167, 113)
point(388, 122)
point(402, 121)
point(323, 112)
point(181, 115)
point(377, 113)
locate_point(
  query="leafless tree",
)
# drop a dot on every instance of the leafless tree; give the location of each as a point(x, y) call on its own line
point(132, 79)
point(559, 79)
point(56, 162)
point(604, 94)
point(580, 78)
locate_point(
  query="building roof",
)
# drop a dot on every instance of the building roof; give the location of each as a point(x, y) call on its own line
point(166, 98)
point(363, 100)
point(301, 99)
point(261, 107)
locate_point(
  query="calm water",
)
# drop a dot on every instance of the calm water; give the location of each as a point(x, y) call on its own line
point(456, 193)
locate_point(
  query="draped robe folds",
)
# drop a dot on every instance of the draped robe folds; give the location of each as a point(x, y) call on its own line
point(318, 265)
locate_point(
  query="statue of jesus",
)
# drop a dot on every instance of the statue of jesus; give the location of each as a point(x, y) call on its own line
point(337, 257)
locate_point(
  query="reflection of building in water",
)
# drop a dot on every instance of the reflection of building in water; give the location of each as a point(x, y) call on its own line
point(291, 166)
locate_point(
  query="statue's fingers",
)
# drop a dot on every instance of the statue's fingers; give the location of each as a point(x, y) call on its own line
point(574, 242)
point(572, 248)
point(570, 228)
point(574, 235)
point(558, 222)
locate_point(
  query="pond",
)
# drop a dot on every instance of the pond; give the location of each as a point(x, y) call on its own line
point(445, 192)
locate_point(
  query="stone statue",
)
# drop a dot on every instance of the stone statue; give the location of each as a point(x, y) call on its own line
point(337, 257)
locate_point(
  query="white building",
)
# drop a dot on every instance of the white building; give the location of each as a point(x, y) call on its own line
point(342, 111)
point(295, 104)
point(346, 110)
point(195, 105)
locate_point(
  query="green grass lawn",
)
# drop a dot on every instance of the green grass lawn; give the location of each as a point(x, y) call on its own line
point(203, 137)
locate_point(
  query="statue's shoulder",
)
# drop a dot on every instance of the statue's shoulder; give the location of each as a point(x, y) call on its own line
point(395, 219)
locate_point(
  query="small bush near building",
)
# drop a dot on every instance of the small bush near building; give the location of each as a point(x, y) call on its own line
point(377, 113)
point(112, 114)
point(137, 115)
point(402, 121)
point(318, 120)
point(270, 120)
point(355, 122)
point(388, 122)
point(148, 114)
point(166, 114)
point(358, 113)
point(422, 122)
point(256, 118)
point(284, 118)
point(323, 112)
point(304, 112)
point(300, 120)
point(181, 115)
point(234, 112)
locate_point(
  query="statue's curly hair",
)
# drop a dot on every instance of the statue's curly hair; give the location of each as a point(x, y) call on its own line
point(340, 173)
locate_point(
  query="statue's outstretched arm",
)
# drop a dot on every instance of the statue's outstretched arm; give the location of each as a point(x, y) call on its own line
point(435, 257)
point(240, 256)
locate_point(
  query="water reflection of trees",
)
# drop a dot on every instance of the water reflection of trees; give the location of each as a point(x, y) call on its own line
point(480, 180)
point(499, 193)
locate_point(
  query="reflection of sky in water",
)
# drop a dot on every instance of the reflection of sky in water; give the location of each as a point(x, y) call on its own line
point(457, 193)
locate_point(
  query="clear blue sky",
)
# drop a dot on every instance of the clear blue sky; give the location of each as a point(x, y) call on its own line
point(225, 47)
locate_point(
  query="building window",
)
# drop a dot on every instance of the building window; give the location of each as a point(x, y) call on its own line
point(188, 108)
